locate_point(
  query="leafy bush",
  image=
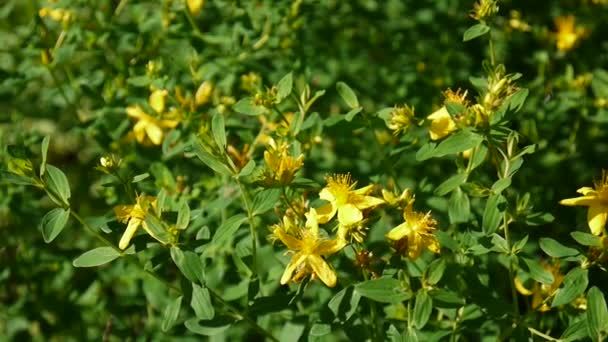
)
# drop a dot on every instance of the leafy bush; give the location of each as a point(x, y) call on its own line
point(305, 170)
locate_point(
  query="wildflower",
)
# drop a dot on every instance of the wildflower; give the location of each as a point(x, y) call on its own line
point(281, 164)
point(403, 200)
point(195, 6)
point(251, 82)
point(309, 247)
point(401, 118)
point(56, 14)
point(109, 163)
point(344, 200)
point(484, 9)
point(568, 34)
point(442, 124)
point(415, 234)
point(542, 292)
point(203, 93)
point(148, 126)
point(134, 216)
point(597, 200)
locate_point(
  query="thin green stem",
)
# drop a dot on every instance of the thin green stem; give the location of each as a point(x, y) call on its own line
point(511, 272)
point(252, 227)
point(93, 231)
point(376, 334)
point(492, 52)
point(543, 335)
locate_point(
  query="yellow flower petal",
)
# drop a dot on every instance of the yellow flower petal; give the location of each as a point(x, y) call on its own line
point(364, 202)
point(329, 247)
point(364, 190)
point(136, 112)
point(295, 262)
point(399, 232)
point(596, 217)
point(441, 124)
point(288, 240)
point(129, 232)
point(586, 191)
point(123, 212)
point(583, 200)
point(521, 288)
point(140, 131)
point(349, 214)
point(157, 100)
point(322, 270)
point(326, 213)
point(168, 123)
point(154, 133)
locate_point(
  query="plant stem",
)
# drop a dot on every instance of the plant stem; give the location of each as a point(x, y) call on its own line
point(252, 228)
point(511, 273)
point(376, 334)
point(492, 52)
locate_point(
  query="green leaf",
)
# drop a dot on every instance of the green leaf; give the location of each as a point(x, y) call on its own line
point(556, 249)
point(348, 95)
point(455, 108)
point(171, 313)
point(226, 231)
point(492, 214)
point(96, 257)
point(351, 114)
point(516, 101)
point(576, 331)
point(446, 298)
point(332, 120)
point(575, 283)
point(458, 142)
point(393, 334)
point(450, 184)
point(183, 215)
point(247, 169)
point(459, 207)
point(201, 302)
point(320, 329)
point(57, 184)
point(265, 200)
point(53, 223)
point(210, 160)
point(44, 149)
point(538, 272)
point(139, 178)
point(219, 130)
point(284, 86)
point(247, 106)
point(344, 304)
point(422, 309)
point(500, 185)
point(157, 229)
point(384, 290)
point(597, 314)
point(189, 264)
point(16, 179)
point(427, 151)
point(209, 327)
point(475, 31)
point(479, 155)
point(435, 271)
point(586, 239)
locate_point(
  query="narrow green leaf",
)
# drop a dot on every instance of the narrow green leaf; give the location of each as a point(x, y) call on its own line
point(139, 178)
point(384, 290)
point(516, 101)
point(475, 31)
point(344, 304)
point(265, 200)
point(459, 207)
point(183, 215)
point(556, 249)
point(44, 149)
point(597, 314)
point(575, 283)
point(201, 302)
point(284, 87)
point(189, 264)
point(500, 185)
point(171, 313)
point(320, 329)
point(96, 257)
point(348, 95)
point(219, 130)
point(53, 223)
point(12, 178)
point(492, 214)
point(435, 271)
point(57, 183)
point(422, 309)
point(458, 142)
point(247, 169)
point(586, 239)
point(538, 272)
point(351, 114)
point(247, 106)
point(227, 230)
point(210, 160)
point(209, 327)
point(450, 184)
point(157, 229)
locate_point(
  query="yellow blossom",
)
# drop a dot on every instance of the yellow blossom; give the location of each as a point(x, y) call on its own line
point(484, 9)
point(344, 200)
point(542, 292)
point(442, 124)
point(415, 234)
point(281, 164)
point(403, 200)
point(597, 200)
point(148, 126)
point(401, 119)
point(203, 93)
point(195, 6)
point(568, 34)
point(309, 248)
point(134, 216)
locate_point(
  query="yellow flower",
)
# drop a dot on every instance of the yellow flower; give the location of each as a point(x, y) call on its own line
point(442, 124)
point(401, 119)
point(195, 6)
point(415, 234)
point(309, 247)
point(345, 201)
point(134, 216)
point(568, 34)
point(148, 126)
point(282, 165)
point(542, 292)
point(597, 200)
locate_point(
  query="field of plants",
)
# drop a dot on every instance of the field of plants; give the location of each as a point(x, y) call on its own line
point(306, 170)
